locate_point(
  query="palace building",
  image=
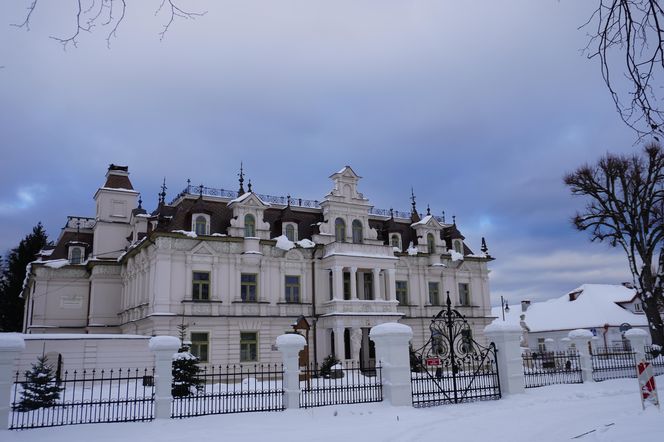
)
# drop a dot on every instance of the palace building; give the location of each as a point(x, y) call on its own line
point(240, 268)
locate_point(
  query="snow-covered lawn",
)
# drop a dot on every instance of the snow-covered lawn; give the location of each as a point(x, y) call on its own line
point(556, 413)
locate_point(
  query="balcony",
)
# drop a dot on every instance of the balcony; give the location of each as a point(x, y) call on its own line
point(359, 306)
point(358, 250)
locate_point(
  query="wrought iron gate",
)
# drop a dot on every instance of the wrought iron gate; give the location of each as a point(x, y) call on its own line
point(452, 367)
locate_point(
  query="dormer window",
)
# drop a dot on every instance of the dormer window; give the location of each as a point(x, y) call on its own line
point(76, 255)
point(340, 230)
point(201, 224)
point(458, 246)
point(357, 231)
point(431, 243)
point(290, 231)
point(395, 241)
point(249, 226)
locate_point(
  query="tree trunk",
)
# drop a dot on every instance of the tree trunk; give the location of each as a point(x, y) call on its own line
point(650, 291)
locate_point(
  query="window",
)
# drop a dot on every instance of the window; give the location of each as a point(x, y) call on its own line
point(249, 225)
point(292, 288)
point(331, 282)
point(346, 286)
point(357, 231)
point(248, 287)
point(200, 286)
point(368, 286)
point(434, 293)
point(466, 340)
point(637, 305)
point(402, 292)
point(431, 243)
point(458, 246)
point(464, 293)
point(541, 345)
point(248, 346)
point(340, 230)
point(76, 255)
point(395, 241)
point(289, 231)
point(200, 345)
point(200, 225)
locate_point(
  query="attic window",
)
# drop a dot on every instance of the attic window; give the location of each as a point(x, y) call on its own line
point(395, 241)
point(339, 230)
point(76, 255)
point(290, 231)
point(201, 224)
point(458, 246)
point(357, 231)
point(249, 226)
point(431, 243)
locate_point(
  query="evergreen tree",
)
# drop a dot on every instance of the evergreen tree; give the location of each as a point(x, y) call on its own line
point(40, 388)
point(13, 276)
point(185, 368)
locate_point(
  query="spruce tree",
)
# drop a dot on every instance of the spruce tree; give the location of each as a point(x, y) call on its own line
point(13, 276)
point(185, 368)
point(40, 388)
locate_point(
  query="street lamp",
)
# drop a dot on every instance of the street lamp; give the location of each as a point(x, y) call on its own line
point(504, 307)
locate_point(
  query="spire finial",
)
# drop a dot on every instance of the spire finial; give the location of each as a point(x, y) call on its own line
point(188, 185)
point(454, 219)
point(241, 175)
point(200, 190)
point(484, 247)
point(428, 210)
point(162, 194)
point(391, 213)
point(443, 216)
point(249, 185)
point(288, 199)
point(140, 201)
point(412, 199)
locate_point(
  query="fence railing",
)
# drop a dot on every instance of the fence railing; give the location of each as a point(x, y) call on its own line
point(233, 389)
point(348, 384)
point(87, 396)
point(613, 364)
point(549, 368)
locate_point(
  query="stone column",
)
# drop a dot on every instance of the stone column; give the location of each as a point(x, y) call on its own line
point(163, 347)
point(637, 339)
point(353, 283)
point(390, 285)
point(337, 283)
point(376, 284)
point(507, 338)
point(355, 343)
point(290, 345)
point(339, 347)
point(581, 338)
point(391, 341)
point(11, 346)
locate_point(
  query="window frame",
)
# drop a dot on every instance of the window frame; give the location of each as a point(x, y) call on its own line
point(431, 300)
point(398, 238)
point(285, 230)
point(249, 226)
point(249, 342)
point(198, 285)
point(403, 291)
point(288, 297)
point(358, 231)
point(340, 230)
point(368, 282)
point(457, 245)
point(195, 347)
point(248, 285)
point(431, 243)
point(468, 301)
point(81, 256)
point(196, 217)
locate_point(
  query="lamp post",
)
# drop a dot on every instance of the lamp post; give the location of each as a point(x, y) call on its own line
point(504, 308)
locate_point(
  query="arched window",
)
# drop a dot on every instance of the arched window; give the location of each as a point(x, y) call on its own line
point(75, 255)
point(457, 246)
point(289, 231)
point(357, 231)
point(431, 243)
point(200, 225)
point(340, 230)
point(395, 241)
point(249, 225)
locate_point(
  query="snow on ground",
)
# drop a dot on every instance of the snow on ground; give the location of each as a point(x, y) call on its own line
point(606, 411)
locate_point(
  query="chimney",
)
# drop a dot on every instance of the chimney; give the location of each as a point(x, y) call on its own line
point(524, 305)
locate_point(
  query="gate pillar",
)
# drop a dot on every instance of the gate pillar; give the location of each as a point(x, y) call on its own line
point(581, 339)
point(11, 346)
point(637, 340)
point(391, 341)
point(507, 338)
point(163, 347)
point(290, 345)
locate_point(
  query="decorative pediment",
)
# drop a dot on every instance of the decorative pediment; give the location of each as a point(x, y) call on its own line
point(428, 222)
point(248, 199)
point(202, 249)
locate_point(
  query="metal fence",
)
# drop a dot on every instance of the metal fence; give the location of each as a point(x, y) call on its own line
point(86, 397)
point(340, 385)
point(549, 368)
point(613, 364)
point(656, 362)
point(233, 389)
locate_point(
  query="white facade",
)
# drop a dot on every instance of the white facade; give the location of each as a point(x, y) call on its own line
point(237, 287)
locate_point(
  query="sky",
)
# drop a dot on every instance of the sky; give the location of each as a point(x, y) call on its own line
point(481, 107)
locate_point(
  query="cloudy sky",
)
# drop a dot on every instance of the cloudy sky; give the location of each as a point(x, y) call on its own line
point(480, 106)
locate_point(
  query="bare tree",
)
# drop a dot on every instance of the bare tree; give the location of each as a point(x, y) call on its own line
point(108, 14)
point(626, 208)
point(627, 37)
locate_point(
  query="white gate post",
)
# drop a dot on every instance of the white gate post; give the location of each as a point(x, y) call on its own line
point(391, 341)
point(290, 345)
point(581, 339)
point(163, 347)
point(637, 339)
point(507, 338)
point(11, 346)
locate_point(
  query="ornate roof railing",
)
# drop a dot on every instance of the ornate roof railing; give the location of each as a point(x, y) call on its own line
point(283, 200)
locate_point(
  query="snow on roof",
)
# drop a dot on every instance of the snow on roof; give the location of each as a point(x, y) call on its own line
point(46, 252)
point(67, 336)
point(189, 233)
point(594, 306)
point(56, 263)
point(456, 256)
point(423, 221)
point(284, 243)
point(245, 196)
